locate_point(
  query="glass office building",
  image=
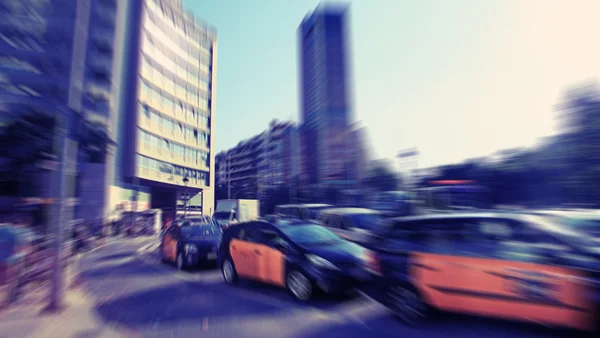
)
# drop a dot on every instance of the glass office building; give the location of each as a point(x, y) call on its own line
point(166, 105)
point(324, 95)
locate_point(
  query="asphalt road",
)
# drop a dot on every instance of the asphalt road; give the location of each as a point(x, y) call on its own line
point(143, 297)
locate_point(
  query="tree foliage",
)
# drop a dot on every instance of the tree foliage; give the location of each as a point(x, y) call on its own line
point(563, 169)
point(29, 138)
point(382, 178)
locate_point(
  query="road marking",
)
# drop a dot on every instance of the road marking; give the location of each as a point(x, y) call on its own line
point(205, 324)
point(156, 323)
point(148, 247)
point(326, 316)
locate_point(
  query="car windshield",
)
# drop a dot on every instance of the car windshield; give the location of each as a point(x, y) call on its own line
point(199, 230)
point(583, 224)
point(365, 221)
point(558, 227)
point(310, 235)
point(222, 215)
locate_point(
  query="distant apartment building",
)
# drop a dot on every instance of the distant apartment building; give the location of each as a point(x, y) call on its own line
point(359, 154)
point(237, 168)
point(267, 160)
point(56, 58)
point(166, 103)
point(325, 96)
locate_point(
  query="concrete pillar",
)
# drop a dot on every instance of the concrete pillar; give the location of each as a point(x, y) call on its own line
point(208, 202)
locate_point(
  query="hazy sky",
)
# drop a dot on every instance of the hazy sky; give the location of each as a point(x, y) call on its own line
point(457, 79)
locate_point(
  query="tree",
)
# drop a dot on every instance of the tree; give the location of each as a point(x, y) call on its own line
point(28, 138)
point(23, 141)
point(580, 143)
point(381, 178)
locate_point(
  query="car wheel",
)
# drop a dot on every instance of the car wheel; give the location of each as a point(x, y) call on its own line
point(162, 256)
point(407, 305)
point(300, 286)
point(180, 261)
point(229, 273)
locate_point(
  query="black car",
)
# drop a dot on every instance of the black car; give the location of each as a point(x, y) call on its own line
point(187, 243)
point(302, 211)
point(520, 267)
point(298, 255)
point(353, 224)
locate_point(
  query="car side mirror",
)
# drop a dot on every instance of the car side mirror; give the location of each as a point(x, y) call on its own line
point(280, 246)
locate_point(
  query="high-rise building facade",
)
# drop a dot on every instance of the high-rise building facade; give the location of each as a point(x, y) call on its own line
point(56, 59)
point(166, 106)
point(97, 104)
point(324, 95)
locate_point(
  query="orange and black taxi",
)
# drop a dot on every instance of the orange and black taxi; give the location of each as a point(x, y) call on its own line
point(294, 254)
point(190, 241)
point(519, 267)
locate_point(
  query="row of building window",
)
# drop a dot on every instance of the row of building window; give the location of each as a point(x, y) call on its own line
point(22, 43)
point(172, 127)
point(168, 82)
point(178, 108)
point(167, 58)
point(168, 146)
point(9, 62)
point(161, 41)
point(177, 25)
point(172, 70)
point(195, 176)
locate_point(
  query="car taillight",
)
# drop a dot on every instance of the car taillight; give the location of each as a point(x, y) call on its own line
point(373, 263)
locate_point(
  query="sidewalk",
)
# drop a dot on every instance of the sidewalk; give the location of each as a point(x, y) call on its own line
point(25, 319)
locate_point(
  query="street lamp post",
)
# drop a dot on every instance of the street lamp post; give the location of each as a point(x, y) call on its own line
point(134, 204)
point(186, 196)
point(64, 132)
point(228, 176)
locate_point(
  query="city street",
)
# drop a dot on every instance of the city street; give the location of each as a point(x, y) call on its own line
point(141, 296)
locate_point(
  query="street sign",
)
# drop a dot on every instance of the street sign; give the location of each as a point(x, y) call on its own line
point(407, 153)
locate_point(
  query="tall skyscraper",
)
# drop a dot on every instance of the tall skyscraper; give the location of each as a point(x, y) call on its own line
point(166, 104)
point(324, 95)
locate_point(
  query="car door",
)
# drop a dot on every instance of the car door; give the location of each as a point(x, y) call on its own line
point(494, 271)
point(167, 244)
point(435, 262)
point(271, 257)
point(245, 252)
point(175, 236)
point(523, 280)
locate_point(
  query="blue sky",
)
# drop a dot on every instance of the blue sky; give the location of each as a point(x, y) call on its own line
point(457, 79)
